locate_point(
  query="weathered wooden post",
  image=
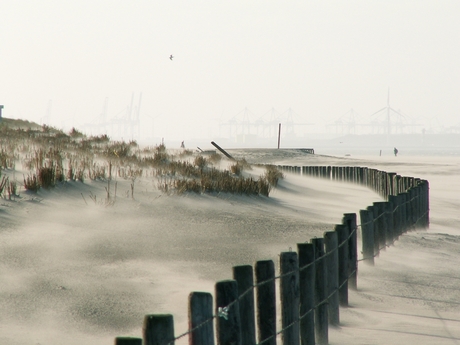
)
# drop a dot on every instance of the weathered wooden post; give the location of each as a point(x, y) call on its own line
point(404, 211)
point(373, 179)
point(367, 229)
point(401, 214)
point(421, 205)
point(350, 221)
point(380, 227)
point(418, 204)
point(200, 314)
point(380, 183)
point(412, 207)
point(266, 301)
point(158, 329)
point(375, 232)
point(228, 323)
point(321, 312)
point(244, 278)
point(367, 173)
point(398, 184)
point(306, 253)
point(321, 171)
point(342, 240)
point(334, 173)
point(128, 341)
point(370, 178)
point(332, 271)
point(355, 175)
point(420, 200)
point(426, 185)
point(289, 296)
point(389, 221)
point(391, 183)
point(394, 201)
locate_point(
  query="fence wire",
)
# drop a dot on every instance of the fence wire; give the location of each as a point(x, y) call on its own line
point(222, 311)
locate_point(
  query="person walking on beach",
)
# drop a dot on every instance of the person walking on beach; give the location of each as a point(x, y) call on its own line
point(395, 151)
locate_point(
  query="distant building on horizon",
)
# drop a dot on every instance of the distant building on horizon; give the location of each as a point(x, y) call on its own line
point(1, 107)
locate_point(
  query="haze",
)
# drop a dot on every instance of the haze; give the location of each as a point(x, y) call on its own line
point(61, 61)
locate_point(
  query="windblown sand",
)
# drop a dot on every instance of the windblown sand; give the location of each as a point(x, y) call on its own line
point(77, 272)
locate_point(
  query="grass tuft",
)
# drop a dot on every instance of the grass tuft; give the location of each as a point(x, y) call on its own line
point(272, 175)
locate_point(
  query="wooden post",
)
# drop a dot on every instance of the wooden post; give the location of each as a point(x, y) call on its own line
point(222, 150)
point(266, 301)
point(307, 292)
point(321, 312)
point(279, 135)
point(419, 207)
point(289, 296)
point(346, 171)
point(389, 221)
point(244, 277)
point(393, 199)
point(380, 227)
point(404, 213)
point(316, 172)
point(416, 207)
point(397, 183)
point(375, 231)
point(361, 175)
point(365, 176)
point(391, 180)
point(228, 327)
point(339, 173)
point(367, 229)
point(332, 269)
point(342, 239)
point(349, 220)
point(128, 341)
point(199, 311)
point(158, 329)
point(401, 200)
point(412, 207)
point(427, 203)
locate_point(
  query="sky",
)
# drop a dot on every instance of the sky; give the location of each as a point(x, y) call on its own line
point(61, 61)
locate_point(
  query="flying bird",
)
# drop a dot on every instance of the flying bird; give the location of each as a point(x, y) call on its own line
point(171, 57)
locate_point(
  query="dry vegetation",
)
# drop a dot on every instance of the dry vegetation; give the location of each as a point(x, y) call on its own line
point(49, 156)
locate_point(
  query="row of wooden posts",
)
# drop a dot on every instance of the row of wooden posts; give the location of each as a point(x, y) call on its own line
point(313, 282)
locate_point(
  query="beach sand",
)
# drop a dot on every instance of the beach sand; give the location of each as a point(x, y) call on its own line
point(76, 271)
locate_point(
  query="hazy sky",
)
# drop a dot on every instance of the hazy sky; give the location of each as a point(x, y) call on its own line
point(320, 58)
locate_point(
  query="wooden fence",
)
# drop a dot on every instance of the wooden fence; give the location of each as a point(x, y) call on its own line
point(313, 282)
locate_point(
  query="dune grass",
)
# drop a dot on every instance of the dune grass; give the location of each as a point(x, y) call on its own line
point(51, 156)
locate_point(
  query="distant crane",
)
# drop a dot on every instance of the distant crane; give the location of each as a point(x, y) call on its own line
point(347, 120)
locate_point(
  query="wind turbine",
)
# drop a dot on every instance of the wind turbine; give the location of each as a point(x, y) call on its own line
point(388, 111)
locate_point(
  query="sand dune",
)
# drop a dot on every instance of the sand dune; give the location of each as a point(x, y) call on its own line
point(76, 272)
